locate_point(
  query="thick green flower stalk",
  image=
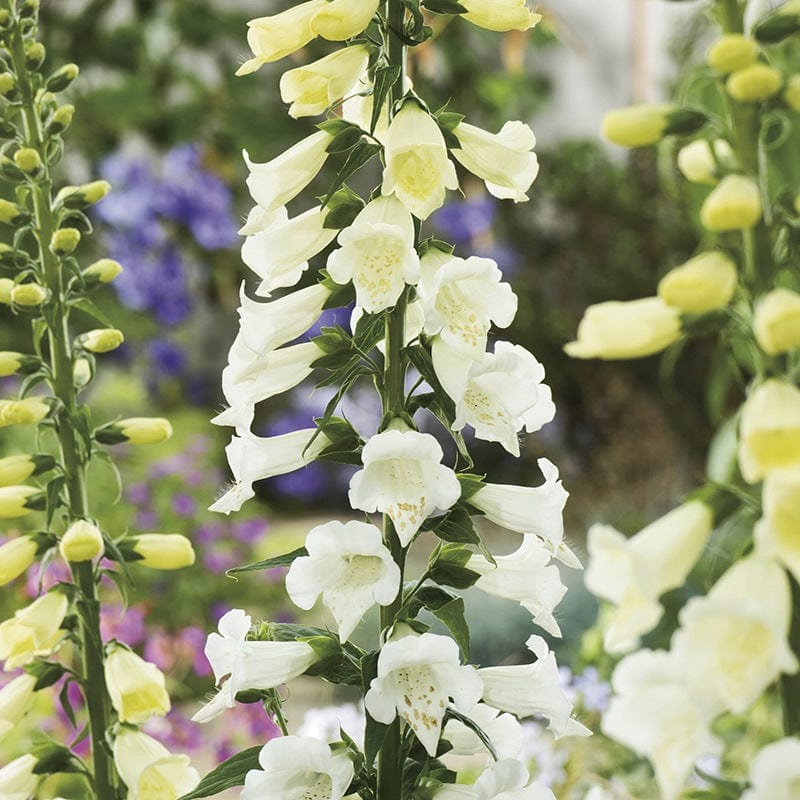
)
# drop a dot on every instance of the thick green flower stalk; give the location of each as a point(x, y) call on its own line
point(736, 648)
point(43, 285)
point(419, 334)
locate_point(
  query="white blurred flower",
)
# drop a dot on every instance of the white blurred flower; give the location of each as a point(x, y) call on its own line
point(776, 534)
point(324, 723)
point(775, 771)
point(17, 779)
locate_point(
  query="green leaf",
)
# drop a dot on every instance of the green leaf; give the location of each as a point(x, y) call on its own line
point(345, 138)
point(449, 568)
point(228, 774)
point(385, 78)
point(450, 612)
point(334, 126)
point(45, 672)
point(285, 560)
point(449, 120)
point(340, 294)
point(457, 526)
point(357, 158)
point(53, 758)
point(88, 307)
point(343, 207)
point(444, 6)
point(470, 484)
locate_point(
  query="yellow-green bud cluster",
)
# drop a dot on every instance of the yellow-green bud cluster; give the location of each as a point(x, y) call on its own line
point(101, 340)
point(8, 86)
point(734, 204)
point(83, 196)
point(29, 295)
point(24, 412)
point(136, 430)
point(731, 52)
point(102, 271)
point(34, 55)
point(754, 83)
point(28, 160)
point(17, 501)
point(65, 240)
point(649, 123)
point(61, 119)
point(82, 541)
point(13, 363)
point(62, 78)
point(12, 214)
point(20, 467)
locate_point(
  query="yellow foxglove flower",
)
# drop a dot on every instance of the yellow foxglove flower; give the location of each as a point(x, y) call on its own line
point(505, 161)
point(702, 284)
point(791, 94)
point(314, 88)
point(136, 430)
point(272, 38)
point(776, 321)
point(33, 631)
point(417, 167)
point(731, 52)
point(18, 780)
point(29, 295)
point(338, 20)
point(18, 468)
point(776, 533)
point(16, 699)
point(23, 412)
point(500, 15)
point(632, 329)
point(700, 161)
point(163, 550)
point(137, 688)
point(17, 501)
point(769, 430)
point(101, 340)
point(754, 83)
point(733, 205)
point(102, 271)
point(81, 542)
point(648, 123)
point(16, 556)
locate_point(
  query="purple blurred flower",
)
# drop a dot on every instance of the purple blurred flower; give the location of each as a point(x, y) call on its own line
point(595, 692)
point(463, 220)
point(147, 520)
point(249, 531)
point(126, 626)
point(183, 505)
point(139, 494)
point(167, 358)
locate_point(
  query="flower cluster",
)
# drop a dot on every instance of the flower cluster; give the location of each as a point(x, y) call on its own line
point(416, 305)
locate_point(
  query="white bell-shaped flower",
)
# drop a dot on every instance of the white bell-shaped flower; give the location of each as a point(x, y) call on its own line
point(775, 771)
point(259, 219)
point(17, 778)
point(503, 731)
point(253, 458)
point(528, 689)
point(498, 396)
point(348, 564)
point(505, 161)
point(500, 15)
point(417, 168)
point(524, 576)
point(33, 631)
point(16, 699)
point(403, 477)
point(417, 678)
point(377, 254)
point(776, 534)
point(462, 297)
point(298, 768)
point(274, 183)
point(338, 20)
point(507, 779)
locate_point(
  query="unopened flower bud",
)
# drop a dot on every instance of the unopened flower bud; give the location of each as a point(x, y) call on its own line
point(700, 164)
point(6, 287)
point(8, 85)
point(776, 321)
point(12, 214)
point(28, 411)
point(733, 205)
point(702, 284)
point(732, 51)
point(649, 123)
point(136, 430)
point(15, 557)
point(137, 688)
point(61, 119)
point(29, 8)
point(28, 160)
point(64, 241)
point(101, 340)
point(5, 19)
point(34, 55)
point(102, 271)
point(81, 373)
point(12, 363)
point(62, 78)
point(780, 24)
point(754, 83)
point(29, 295)
point(20, 467)
point(791, 94)
point(82, 196)
point(17, 501)
point(163, 550)
point(82, 542)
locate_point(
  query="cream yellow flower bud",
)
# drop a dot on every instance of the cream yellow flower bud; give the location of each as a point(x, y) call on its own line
point(776, 321)
point(732, 51)
point(754, 83)
point(61, 119)
point(769, 430)
point(632, 329)
point(33, 631)
point(28, 160)
point(34, 55)
point(136, 687)
point(702, 284)
point(6, 287)
point(12, 363)
point(734, 204)
point(82, 196)
point(29, 295)
point(62, 78)
point(18, 501)
point(102, 271)
point(136, 430)
point(8, 85)
point(163, 550)
point(11, 213)
point(101, 340)
point(648, 123)
point(23, 412)
point(81, 372)
point(500, 15)
point(699, 164)
point(791, 94)
point(15, 557)
point(81, 542)
point(18, 468)
point(65, 240)
point(16, 699)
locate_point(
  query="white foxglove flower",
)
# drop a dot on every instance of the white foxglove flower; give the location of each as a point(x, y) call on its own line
point(507, 779)
point(776, 534)
point(417, 168)
point(505, 161)
point(33, 631)
point(16, 698)
point(500, 15)
point(250, 377)
point(266, 326)
point(315, 87)
point(340, 19)
point(377, 254)
point(525, 577)
point(279, 255)
point(136, 687)
point(732, 643)
point(274, 183)
point(417, 676)
point(498, 396)
point(633, 573)
point(528, 689)
point(462, 298)
point(149, 770)
point(259, 219)
point(298, 768)
point(527, 509)
point(239, 664)
point(403, 477)
point(17, 779)
point(775, 772)
point(350, 566)
point(253, 458)
point(503, 730)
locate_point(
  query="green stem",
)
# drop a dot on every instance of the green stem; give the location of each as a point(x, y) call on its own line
point(74, 456)
point(730, 16)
